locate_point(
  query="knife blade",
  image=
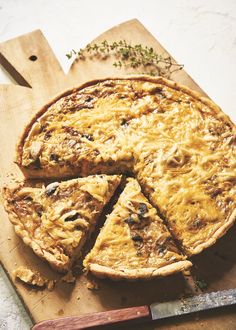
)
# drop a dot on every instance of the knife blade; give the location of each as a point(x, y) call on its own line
point(155, 311)
point(193, 304)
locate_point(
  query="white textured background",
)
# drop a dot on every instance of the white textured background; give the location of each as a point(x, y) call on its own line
point(201, 34)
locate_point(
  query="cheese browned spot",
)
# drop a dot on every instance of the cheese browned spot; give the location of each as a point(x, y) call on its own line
point(134, 242)
point(179, 145)
point(56, 221)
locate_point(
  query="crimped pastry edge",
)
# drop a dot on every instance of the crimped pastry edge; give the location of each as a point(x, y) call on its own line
point(141, 273)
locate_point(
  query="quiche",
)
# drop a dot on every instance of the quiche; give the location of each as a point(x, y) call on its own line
point(134, 242)
point(179, 145)
point(56, 220)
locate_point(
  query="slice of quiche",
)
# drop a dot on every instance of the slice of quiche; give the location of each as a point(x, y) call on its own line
point(56, 220)
point(134, 242)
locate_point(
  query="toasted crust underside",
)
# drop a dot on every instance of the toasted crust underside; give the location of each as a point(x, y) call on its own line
point(141, 273)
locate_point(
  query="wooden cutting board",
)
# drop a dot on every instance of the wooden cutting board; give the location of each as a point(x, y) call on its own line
point(31, 62)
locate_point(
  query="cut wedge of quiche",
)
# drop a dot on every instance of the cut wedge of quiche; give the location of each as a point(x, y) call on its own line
point(134, 242)
point(56, 220)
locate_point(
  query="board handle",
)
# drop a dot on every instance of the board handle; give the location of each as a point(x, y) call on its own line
point(113, 317)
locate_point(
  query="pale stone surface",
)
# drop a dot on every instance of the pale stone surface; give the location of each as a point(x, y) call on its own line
point(201, 34)
point(12, 313)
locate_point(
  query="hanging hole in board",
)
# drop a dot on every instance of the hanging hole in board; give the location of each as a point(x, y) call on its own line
point(33, 58)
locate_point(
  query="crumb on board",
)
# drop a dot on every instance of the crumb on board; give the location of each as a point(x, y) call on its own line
point(186, 272)
point(60, 312)
point(51, 284)
point(29, 276)
point(92, 285)
point(68, 278)
point(33, 277)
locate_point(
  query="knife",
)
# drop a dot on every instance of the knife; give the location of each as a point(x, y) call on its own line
point(155, 311)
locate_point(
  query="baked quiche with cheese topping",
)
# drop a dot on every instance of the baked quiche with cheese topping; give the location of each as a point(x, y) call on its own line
point(179, 145)
point(134, 242)
point(56, 220)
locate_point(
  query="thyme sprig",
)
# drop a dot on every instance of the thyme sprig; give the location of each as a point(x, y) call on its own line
point(129, 56)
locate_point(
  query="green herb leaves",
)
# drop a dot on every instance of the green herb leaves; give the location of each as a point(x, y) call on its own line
point(130, 56)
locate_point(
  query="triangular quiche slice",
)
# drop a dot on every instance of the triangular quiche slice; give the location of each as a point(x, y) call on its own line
point(56, 220)
point(134, 242)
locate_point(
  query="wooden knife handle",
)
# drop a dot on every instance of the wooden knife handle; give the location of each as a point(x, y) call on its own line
point(113, 317)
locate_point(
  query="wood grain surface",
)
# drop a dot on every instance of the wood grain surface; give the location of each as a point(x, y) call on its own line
point(31, 62)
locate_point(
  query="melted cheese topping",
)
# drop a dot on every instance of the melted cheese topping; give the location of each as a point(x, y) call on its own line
point(133, 237)
point(180, 149)
point(57, 219)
